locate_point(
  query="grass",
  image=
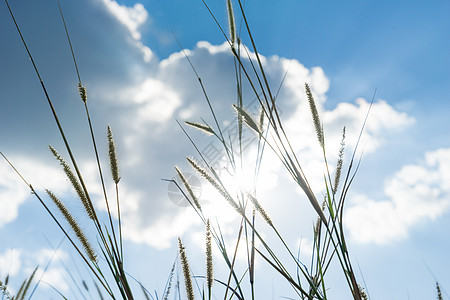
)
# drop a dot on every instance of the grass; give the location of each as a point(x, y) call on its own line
point(307, 280)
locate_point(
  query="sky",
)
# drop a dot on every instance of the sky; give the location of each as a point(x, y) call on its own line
point(139, 82)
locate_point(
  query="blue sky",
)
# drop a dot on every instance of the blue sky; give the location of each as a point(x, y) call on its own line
point(398, 209)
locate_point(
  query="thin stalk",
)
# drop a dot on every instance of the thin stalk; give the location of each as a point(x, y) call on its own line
point(80, 85)
point(94, 271)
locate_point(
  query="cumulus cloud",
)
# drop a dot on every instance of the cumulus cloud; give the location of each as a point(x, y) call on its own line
point(415, 194)
point(10, 262)
point(172, 91)
point(20, 263)
point(383, 121)
point(132, 18)
point(150, 142)
point(14, 192)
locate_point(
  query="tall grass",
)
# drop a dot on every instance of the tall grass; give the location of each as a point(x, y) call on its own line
point(308, 280)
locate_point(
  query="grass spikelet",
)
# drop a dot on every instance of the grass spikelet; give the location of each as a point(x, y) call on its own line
point(3, 290)
point(315, 115)
point(75, 227)
point(82, 91)
point(21, 289)
point(202, 127)
point(113, 157)
point(231, 23)
point(75, 183)
point(26, 286)
point(317, 229)
point(261, 120)
point(247, 118)
point(261, 210)
point(337, 175)
point(169, 282)
point(189, 189)
point(362, 293)
point(318, 226)
point(438, 291)
point(209, 259)
point(99, 291)
point(216, 185)
point(186, 271)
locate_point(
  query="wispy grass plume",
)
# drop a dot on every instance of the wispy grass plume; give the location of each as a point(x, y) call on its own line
point(113, 157)
point(231, 23)
point(75, 227)
point(260, 209)
point(169, 282)
point(186, 271)
point(438, 291)
point(248, 119)
point(315, 115)
point(202, 127)
point(4, 291)
point(209, 259)
point(82, 92)
point(216, 185)
point(25, 286)
point(337, 174)
point(189, 189)
point(75, 183)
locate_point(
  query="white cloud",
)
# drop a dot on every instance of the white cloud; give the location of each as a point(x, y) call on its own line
point(20, 263)
point(132, 18)
point(10, 262)
point(14, 192)
point(157, 102)
point(416, 193)
point(153, 143)
point(163, 229)
point(383, 121)
point(54, 277)
point(150, 143)
point(173, 90)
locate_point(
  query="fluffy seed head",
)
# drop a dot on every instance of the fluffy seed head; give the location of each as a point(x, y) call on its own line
point(189, 189)
point(248, 119)
point(113, 157)
point(202, 127)
point(186, 271)
point(261, 210)
point(216, 185)
point(75, 184)
point(315, 115)
point(231, 23)
point(82, 91)
point(337, 175)
point(209, 260)
point(75, 227)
